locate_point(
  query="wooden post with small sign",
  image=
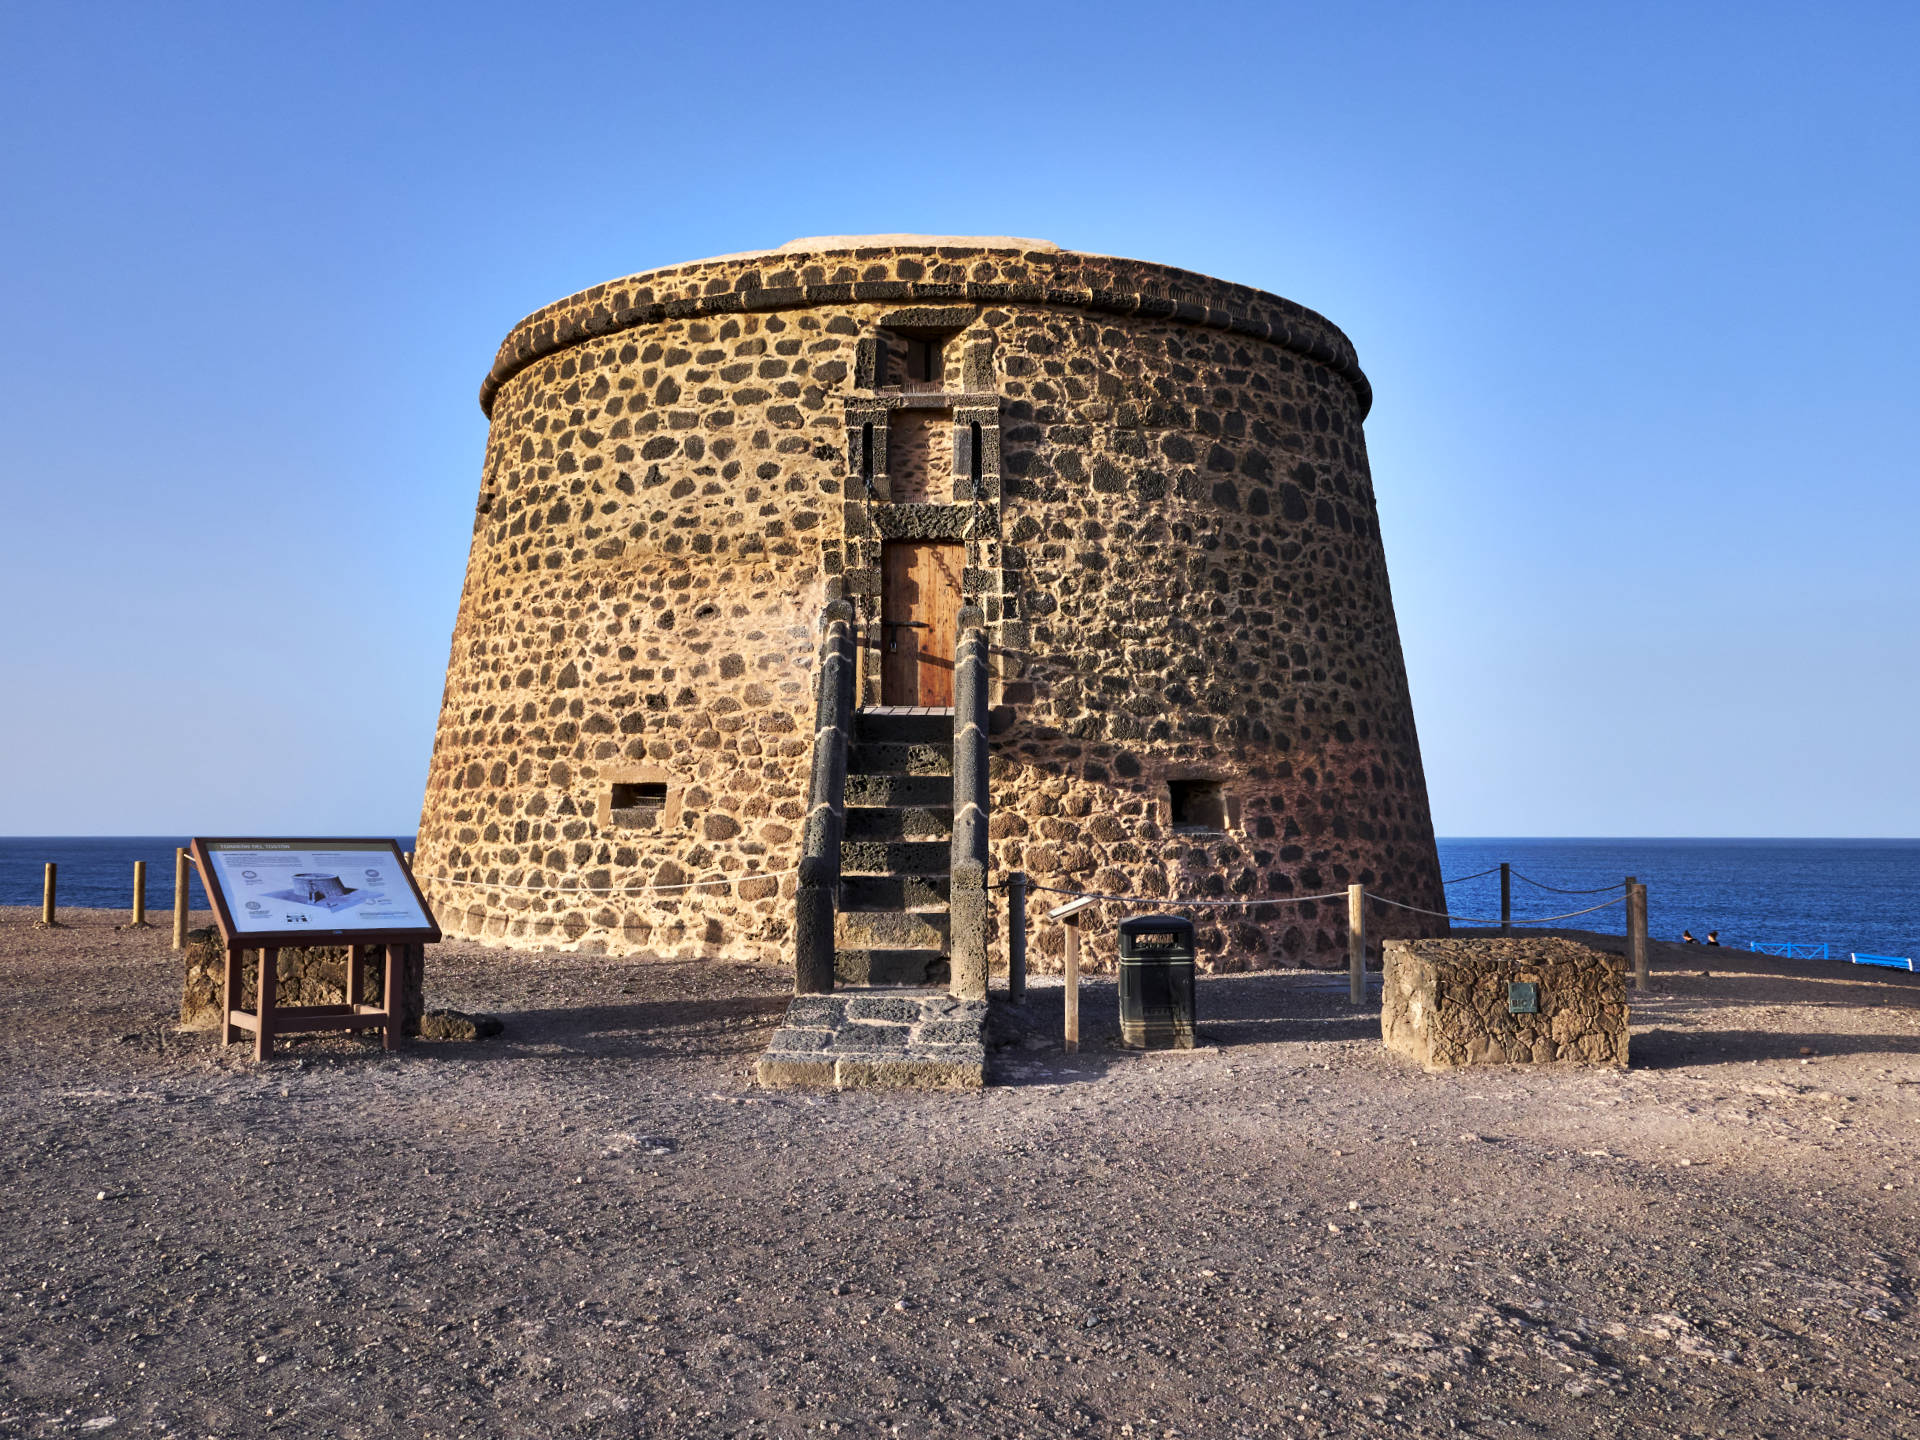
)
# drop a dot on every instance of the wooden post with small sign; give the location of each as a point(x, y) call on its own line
point(1357, 944)
point(1069, 916)
point(1072, 1037)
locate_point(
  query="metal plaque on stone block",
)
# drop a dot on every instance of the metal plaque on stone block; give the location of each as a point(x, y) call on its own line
point(1523, 998)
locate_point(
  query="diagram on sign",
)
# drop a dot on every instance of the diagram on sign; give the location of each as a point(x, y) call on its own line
point(329, 892)
point(313, 886)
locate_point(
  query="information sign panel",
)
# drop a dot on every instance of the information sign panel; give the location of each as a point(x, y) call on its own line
point(292, 892)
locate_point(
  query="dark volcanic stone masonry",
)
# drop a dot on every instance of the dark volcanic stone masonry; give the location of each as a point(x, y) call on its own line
point(1160, 481)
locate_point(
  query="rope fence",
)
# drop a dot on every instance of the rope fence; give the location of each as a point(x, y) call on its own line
point(1542, 885)
point(1496, 920)
point(1181, 904)
point(1184, 903)
point(614, 889)
point(1633, 896)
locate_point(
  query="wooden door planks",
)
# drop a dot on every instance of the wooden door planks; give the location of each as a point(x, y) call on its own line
point(919, 608)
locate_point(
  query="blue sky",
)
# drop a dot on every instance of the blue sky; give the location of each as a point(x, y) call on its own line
point(1635, 284)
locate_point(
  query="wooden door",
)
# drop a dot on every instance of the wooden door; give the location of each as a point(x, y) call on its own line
point(919, 607)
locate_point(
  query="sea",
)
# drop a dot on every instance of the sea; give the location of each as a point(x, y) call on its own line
point(96, 871)
point(1849, 895)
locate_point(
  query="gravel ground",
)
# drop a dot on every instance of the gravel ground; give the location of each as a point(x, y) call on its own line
point(594, 1225)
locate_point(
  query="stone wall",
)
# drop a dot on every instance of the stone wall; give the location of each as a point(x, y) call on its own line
point(312, 976)
point(1446, 1003)
point(1169, 522)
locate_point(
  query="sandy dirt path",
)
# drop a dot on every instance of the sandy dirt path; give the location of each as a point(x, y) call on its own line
point(595, 1226)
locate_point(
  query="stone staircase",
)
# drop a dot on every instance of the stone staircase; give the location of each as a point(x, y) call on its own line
point(892, 924)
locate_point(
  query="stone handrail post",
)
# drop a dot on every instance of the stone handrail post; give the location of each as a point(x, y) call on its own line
point(967, 902)
point(818, 894)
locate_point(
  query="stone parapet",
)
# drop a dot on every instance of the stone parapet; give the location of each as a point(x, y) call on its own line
point(922, 270)
point(1447, 1003)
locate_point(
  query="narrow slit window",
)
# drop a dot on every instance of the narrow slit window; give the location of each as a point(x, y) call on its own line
point(866, 451)
point(973, 452)
point(1198, 805)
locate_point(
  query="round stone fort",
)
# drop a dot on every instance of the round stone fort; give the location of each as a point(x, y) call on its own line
point(1152, 485)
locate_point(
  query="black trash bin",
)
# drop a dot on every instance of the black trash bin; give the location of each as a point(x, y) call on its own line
point(1156, 982)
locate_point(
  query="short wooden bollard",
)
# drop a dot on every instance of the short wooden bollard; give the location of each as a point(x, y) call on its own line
point(1637, 933)
point(47, 893)
point(179, 899)
point(1017, 936)
point(1357, 944)
point(140, 893)
point(1072, 1037)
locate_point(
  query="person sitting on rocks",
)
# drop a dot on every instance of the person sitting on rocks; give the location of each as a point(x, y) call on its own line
point(1713, 937)
point(1686, 938)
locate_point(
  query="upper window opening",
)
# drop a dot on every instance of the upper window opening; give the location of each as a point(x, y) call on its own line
point(923, 360)
point(1198, 804)
point(640, 795)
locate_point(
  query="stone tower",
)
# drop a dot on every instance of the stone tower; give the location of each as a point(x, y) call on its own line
point(1152, 485)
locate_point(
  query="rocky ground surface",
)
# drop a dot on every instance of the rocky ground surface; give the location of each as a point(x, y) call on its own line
point(595, 1224)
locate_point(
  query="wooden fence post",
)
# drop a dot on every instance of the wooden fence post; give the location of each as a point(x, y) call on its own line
point(1637, 932)
point(1357, 944)
point(179, 899)
point(47, 894)
point(1072, 923)
point(1506, 898)
point(140, 893)
point(1017, 936)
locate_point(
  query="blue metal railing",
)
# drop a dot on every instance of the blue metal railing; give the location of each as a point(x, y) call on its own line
point(1890, 962)
point(1788, 950)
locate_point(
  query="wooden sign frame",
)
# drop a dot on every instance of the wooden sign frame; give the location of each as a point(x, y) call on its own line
point(269, 1018)
point(200, 849)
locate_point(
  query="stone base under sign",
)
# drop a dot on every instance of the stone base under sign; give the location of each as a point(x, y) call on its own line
point(889, 1039)
point(315, 975)
point(1447, 1003)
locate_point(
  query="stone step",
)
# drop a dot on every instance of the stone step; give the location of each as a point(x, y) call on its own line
point(891, 930)
point(904, 726)
point(890, 967)
point(894, 1037)
point(892, 892)
point(889, 758)
point(895, 857)
point(904, 822)
point(893, 790)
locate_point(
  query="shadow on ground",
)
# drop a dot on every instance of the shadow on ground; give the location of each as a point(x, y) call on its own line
point(1233, 1011)
point(1664, 1049)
